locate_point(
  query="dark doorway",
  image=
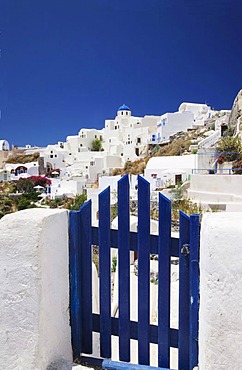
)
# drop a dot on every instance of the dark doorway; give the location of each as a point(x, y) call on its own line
point(178, 179)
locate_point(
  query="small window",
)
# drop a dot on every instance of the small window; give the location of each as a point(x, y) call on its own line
point(92, 163)
point(115, 127)
point(69, 153)
point(86, 167)
point(95, 136)
point(51, 151)
point(122, 154)
point(55, 155)
point(126, 113)
point(122, 113)
point(51, 156)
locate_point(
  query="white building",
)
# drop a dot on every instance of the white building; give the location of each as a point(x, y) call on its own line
point(171, 123)
point(127, 135)
point(69, 188)
point(189, 115)
point(78, 145)
point(4, 145)
point(18, 170)
point(4, 152)
point(201, 112)
point(92, 166)
point(54, 157)
point(169, 170)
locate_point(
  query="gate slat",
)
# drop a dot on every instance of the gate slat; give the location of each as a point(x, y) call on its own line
point(134, 243)
point(75, 285)
point(184, 301)
point(86, 277)
point(143, 271)
point(134, 330)
point(124, 268)
point(164, 245)
point(105, 274)
point(194, 289)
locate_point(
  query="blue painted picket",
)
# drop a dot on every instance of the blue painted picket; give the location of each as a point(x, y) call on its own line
point(164, 281)
point(124, 269)
point(75, 284)
point(84, 322)
point(144, 267)
point(194, 287)
point(86, 277)
point(105, 273)
point(183, 333)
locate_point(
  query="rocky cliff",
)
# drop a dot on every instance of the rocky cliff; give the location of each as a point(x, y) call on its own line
point(235, 119)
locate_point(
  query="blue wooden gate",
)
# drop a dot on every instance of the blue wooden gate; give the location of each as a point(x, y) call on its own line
point(84, 322)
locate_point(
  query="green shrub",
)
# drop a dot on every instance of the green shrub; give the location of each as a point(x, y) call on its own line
point(96, 145)
point(76, 203)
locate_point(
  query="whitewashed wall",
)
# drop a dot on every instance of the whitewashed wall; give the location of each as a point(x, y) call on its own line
point(215, 188)
point(34, 290)
point(220, 317)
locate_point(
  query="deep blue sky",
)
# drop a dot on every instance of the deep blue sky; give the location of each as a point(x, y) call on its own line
point(68, 64)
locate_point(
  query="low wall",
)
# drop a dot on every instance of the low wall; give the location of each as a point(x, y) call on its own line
point(215, 188)
point(220, 320)
point(34, 290)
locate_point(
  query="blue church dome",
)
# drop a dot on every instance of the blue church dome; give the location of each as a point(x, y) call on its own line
point(123, 107)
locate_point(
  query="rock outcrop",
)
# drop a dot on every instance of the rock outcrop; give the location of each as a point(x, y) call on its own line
point(235, 119)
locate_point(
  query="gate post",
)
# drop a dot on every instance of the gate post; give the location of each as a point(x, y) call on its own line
point(34, 290)
point(220, 324)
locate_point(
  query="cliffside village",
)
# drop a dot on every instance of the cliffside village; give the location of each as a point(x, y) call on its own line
point(93, 159)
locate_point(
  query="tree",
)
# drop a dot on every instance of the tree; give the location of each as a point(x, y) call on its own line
point(25, 185)
point(96, 145)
